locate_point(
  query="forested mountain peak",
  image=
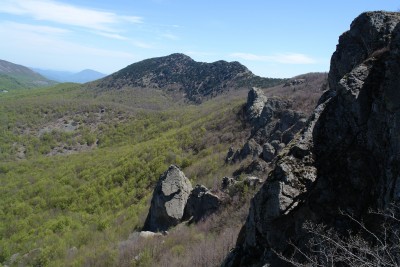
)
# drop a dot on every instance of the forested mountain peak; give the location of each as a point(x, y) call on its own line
point(180, 73)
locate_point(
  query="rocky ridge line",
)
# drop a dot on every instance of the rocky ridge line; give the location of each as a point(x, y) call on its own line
point(178, 73)
point(347, 156)
point(273, 125)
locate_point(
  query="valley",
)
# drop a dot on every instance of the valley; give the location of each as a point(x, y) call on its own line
point(78, 165)
point(174, 162)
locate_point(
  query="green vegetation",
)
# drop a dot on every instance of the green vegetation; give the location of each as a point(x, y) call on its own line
point(78, 166)
point(9, 83)
point(13, 77)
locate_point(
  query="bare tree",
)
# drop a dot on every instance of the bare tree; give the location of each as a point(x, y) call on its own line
point(366, 247)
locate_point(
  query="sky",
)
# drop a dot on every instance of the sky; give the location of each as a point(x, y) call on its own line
point(272, 38)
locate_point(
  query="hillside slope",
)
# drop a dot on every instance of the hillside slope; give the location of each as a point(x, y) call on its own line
point(78, 167)
point(196, 81)
point(14, 76)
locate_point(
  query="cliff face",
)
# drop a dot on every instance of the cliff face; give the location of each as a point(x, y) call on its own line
point(347, 158)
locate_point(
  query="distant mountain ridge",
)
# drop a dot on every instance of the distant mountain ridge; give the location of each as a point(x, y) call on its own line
point(83, 76)
point(178, 72)
point(14, 76)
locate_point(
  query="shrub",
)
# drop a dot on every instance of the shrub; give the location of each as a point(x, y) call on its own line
point(364, 246)
point(178, 250)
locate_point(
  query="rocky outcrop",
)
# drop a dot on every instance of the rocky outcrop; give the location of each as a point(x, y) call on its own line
point(369, 33)
point(169, 200)
point(251, 148)
point(256, 167)
point(201, 203)
point(227, 182)
point(179, 73)
point(174, 201)
point(269, 152)
point(273, 125)
point(252, 181)
point(255, 104)
point(347, 157)
point(294, 82)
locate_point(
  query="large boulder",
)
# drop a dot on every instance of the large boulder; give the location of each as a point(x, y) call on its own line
point(268, 152)
point(175, 201)
point(347, 157)
point(255, 104)
point(201, 203)
point(169, 200)
point(250, 148)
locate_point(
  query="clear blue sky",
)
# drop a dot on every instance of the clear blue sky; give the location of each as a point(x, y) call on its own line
point(272, 38)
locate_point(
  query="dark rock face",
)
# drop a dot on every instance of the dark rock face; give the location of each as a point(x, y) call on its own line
point(369, 32)
point(273, 123)
point(201, 203)
point(347, 157)
point(169, 200)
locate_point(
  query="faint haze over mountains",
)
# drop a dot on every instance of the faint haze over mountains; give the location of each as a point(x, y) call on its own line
point(271, 38)
point(83, 76)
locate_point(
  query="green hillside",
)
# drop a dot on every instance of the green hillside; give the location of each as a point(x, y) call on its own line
point(9, 83)
point(14, 76)
point(77, 167)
